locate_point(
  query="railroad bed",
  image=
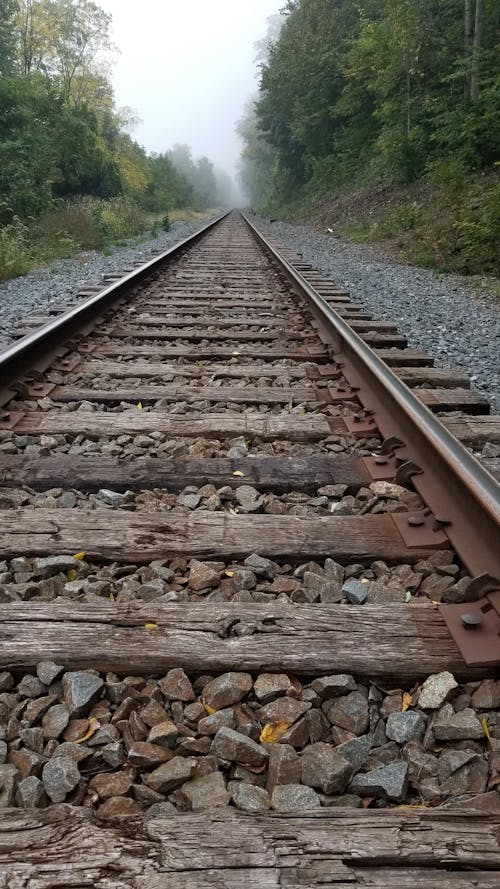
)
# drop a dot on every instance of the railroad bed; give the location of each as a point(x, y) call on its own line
point(249, 586)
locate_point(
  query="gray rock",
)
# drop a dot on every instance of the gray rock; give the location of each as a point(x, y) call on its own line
point(176, 686)
point(380, 594)
point(248, 797)
point(189, 500)
point(45, 567)
point(451, 760)
point(324, 768)
point(9, 778)
point(235, 747)
point(356, 751)
point(76, 752)
point(152, 590)
point(387, 782)
point(355, 591)
point(48, 671)
point(210, 725)
point(404, 727)
point(55, 721)
point(260, 566)
point(321, 586)
point(113, 754)
point(269, 686)
point(436, 690)
point(31, 794)
point(294, 798)
point(243, 579)
point(112, 498)
point(207, 792)
point(283, 710)
point(165, 733)
point(422, 765)
point(248, 498)
point(227, 689)
point(60, 776)
point(80, 691)
point(284, 766)
point(3, 752)
point(458, 726)
point(334, 571)
point(6, 681)
point(161, 810)
point(333, 686)
point(471, 778)
point(487, 695)
point(350, 713)
point(171, 774)
point(203, 576)
point(31, 687)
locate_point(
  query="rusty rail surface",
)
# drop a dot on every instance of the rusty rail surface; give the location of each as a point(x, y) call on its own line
point(463, 498)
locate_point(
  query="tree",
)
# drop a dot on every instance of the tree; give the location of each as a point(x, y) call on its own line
point(69, 42)
point(476, 50)
point(8, 9)
point(367, 90)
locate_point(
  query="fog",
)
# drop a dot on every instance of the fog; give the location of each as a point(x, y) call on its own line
point(187, 67)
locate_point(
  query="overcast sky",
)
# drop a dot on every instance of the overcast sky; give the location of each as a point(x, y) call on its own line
point(187, 67)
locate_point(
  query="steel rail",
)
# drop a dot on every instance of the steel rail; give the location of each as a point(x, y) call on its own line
point(463, 496)
point(42, 343)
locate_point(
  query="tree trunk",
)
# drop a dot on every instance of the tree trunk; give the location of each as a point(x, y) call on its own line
point(467, 29)
point(408, 103)
point(476, 50)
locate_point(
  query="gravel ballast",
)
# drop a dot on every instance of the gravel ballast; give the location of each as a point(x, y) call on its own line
point(56, 283)
point(178, 742)
point(441, 313)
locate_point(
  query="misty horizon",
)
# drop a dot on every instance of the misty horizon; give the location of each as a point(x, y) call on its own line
point(187, 71)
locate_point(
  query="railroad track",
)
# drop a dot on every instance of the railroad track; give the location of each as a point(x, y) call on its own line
point(249, 584)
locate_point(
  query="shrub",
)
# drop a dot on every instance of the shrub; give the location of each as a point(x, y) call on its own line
point(15, 258)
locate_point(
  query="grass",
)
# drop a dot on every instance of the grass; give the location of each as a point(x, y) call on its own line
point(70, 228)
point(187, 215)
point(450, 226)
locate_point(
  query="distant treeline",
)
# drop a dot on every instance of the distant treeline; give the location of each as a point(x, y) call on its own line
point(61, 137)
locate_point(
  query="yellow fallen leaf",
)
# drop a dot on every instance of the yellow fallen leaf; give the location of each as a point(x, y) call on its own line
point(209, 709)
point(94, 724)
point(239, 473)
point(273, 732)
point(111, 597)
point(139, 405)
point(407, 699)
point(229, 573)
point(71, 574)
point(79, 556)
point(150, 626)
point(484, 723)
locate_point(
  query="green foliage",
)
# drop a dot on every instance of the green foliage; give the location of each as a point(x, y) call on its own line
point(165, 223)
point(451, 228)
point(361, 92)
point(86, 223)
point(71, 177)
point(14, 249)
point(8, 11)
